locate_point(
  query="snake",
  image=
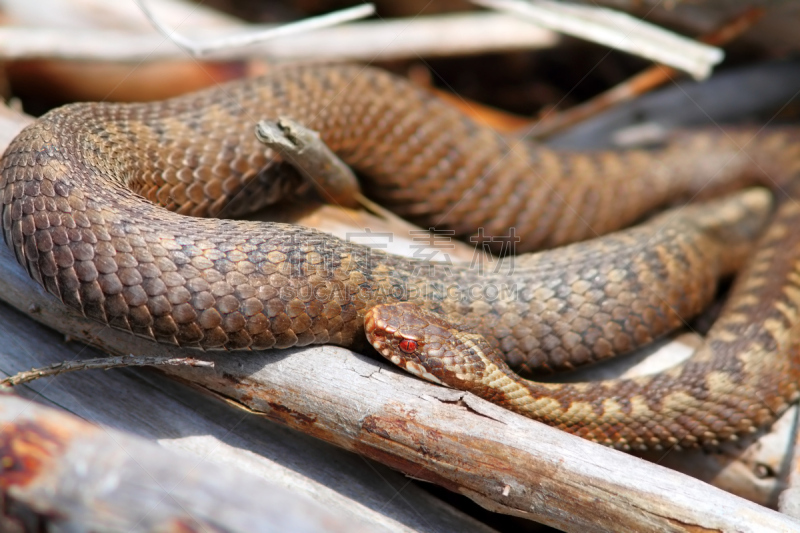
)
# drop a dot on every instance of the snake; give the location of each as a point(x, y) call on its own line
point(120, 210)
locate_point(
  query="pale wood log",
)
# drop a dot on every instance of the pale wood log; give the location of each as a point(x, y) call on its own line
point(617, 30)
point(62, 473)
point(430, 36)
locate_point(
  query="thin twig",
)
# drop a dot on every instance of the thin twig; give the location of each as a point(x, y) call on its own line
point(201, 48)
point(102, 363)
point(333, 180)
point(641, 83)
point(304, 150)
point(617, 30)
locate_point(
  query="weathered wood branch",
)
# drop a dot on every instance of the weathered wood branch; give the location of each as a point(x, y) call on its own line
point(432, 36)
point(617, 30)
point(61, 473)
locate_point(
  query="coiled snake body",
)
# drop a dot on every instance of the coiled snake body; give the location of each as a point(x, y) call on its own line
point(75, 188)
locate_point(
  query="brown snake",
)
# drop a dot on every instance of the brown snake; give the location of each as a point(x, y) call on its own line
point(75, 188)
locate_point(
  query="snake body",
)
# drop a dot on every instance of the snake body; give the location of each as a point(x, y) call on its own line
point(78, 187)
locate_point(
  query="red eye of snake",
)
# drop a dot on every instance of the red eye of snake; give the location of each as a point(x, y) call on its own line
point(408, 346)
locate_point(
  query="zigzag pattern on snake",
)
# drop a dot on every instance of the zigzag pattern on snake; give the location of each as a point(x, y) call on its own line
point(76, 185)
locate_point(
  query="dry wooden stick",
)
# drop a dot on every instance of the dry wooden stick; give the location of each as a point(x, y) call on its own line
point(62, 473)
point(617, 30)
point(333, 180)
point(104, 363)
point(305, 151)
point(639, 84)
point(432, 36)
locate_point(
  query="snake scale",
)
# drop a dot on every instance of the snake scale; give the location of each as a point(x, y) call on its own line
point(79, 188)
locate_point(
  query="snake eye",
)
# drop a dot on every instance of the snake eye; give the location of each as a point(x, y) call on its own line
point(408, 346)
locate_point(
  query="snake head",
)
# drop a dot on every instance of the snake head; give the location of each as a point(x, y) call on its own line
point(410, 337)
